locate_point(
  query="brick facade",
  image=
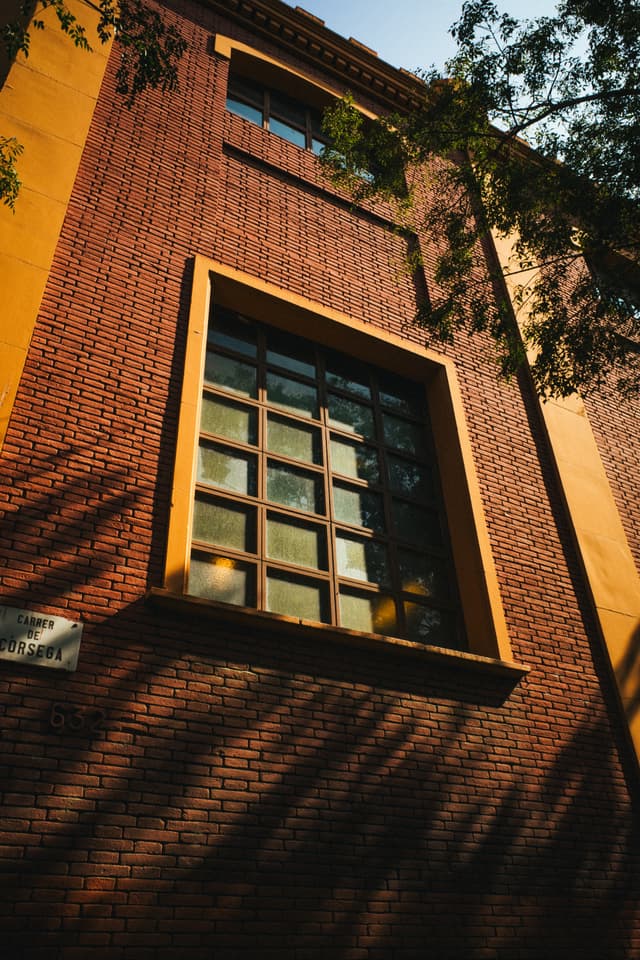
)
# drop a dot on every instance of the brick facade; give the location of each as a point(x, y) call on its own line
point(253, 794)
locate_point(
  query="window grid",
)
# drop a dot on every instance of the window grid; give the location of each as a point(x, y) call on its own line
point(324, 520)
point(247, 99)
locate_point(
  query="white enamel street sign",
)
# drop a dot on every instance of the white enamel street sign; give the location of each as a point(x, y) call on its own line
point(39, 639)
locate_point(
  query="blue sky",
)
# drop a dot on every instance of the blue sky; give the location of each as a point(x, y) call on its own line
point(407, 33)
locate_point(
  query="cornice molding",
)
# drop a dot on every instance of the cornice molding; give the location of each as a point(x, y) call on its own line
point(350, 61)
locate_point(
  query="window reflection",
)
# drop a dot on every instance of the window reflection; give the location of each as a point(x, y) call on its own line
point(321, 464)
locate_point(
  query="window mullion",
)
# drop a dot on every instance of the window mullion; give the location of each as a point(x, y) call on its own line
point(328, 486)
point(262, 474)
point(394, 570)
point(266, 110)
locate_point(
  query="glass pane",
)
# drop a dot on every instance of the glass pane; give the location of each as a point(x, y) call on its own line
point(296, 543)
point(359, 507)
point(403, 435)
point(350, 416)
point(410, 478)
point(231, 374)
point(246, 110)
point(291, 353)
point(288, 110)
point(354, 460)
point(305, 599)
point(287, 132)
point(362, 559)
point(369, 613)
point(316, 124)
point(346, 375)
point(240, 88)
point(416, 525)
point(220, 578)
point(231, 330)
point(421, 573)
point(229, 420)
point(226, 468)
point(293, 440)
point(301, 398)
point(317, 146)
point(293, 488)
point(400, 395)
point(229, 526)
point(427, 625)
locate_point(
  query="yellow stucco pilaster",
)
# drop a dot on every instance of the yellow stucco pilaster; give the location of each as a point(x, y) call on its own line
point(47, 103)
point(608, 563)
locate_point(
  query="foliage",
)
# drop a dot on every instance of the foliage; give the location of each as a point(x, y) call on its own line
point(10, 150)
point(570, 85)
point(150, 51)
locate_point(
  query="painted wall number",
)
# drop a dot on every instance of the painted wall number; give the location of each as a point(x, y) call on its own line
point(64, 716)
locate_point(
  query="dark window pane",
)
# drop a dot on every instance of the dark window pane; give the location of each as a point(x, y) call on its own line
point(358, 507)
point(233, 331)
point(240, 378)
point(306, 599)
point(228, 419)
point(220, 522)
point(229, 469)
point(222, 579)
point(300, 398)
point(425, 574)
point(403, 435)
point(410, 478)
point(246, 110)
point(368, 612)
point(281, 129)
point(292, 439)
point(362, 559)
point(294, 488)
point(241, 88)
point(416, 525)
point(354, 460)
point(291, 353)
point(428, 625)
point(285, 109)
point(294, 542)
point(401, 395)
point(316, 124)
point(350, 416)
point(345, 374)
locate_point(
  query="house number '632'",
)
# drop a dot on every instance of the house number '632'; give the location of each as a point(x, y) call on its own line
point(64, 716)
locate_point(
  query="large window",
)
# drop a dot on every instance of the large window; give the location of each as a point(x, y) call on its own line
point(317, 494)
point(276, 112)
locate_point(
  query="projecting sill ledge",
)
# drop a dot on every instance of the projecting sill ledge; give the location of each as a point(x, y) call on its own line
point(262, 621)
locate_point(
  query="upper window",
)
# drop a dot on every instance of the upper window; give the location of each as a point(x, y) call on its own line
point(317, 493)
point(276, 112)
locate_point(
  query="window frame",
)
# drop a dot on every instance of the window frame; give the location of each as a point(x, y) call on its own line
point(263, 102)
point(258, 67)
point(476, 578)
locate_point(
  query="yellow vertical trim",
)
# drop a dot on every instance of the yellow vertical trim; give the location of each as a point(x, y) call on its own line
point(477, 578)
point(47, 103)
point(606, 557)
point(181, 511)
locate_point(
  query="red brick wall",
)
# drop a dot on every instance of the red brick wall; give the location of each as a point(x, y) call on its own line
point(257, 796)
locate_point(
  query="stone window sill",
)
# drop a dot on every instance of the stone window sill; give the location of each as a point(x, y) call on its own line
point(263, 622)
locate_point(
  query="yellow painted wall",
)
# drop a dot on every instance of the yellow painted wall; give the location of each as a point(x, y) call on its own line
point(608, 563)
point(47, 103)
